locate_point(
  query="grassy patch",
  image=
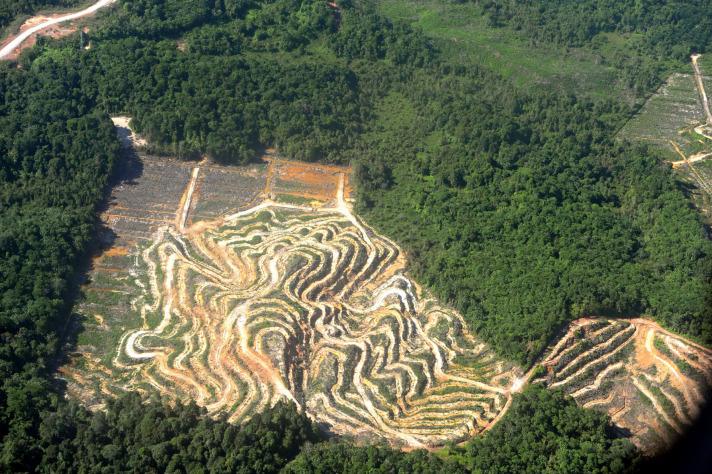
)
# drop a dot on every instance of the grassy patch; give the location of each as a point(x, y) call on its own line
point(295, 199)
point(462, 34)
point(705, 63)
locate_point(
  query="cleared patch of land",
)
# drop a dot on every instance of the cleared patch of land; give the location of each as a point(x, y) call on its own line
point(238, 287)
point(294, 181)
point(221, 190)
point(651, 382)
point(677, 118)
point(300, 302)
point(671, 114)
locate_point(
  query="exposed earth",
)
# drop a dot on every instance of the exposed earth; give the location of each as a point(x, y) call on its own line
point(238, 287)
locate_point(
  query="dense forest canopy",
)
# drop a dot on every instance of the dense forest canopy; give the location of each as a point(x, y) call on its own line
point(518, 207)
point(56, 155)
point(541, 433)
point(131, 436)
point(568, 222)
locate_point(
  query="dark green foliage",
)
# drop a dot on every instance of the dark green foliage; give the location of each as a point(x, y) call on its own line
point(282, 25)
point(545, 432)
point(56, 155)
point(234, 105)
point(524, 213)
point(132, 436)
point(364, 34)
point(211, 100)
point(327, 458)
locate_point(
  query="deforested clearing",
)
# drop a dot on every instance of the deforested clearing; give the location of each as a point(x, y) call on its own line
point(305, 303)
point(651, 382)
point(677, 118)
point(240, 287)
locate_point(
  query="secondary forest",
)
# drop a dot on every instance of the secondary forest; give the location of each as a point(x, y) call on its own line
point(663, 28)
point(517, 206)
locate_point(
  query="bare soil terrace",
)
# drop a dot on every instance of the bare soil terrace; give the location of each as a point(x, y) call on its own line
point(238, 287)
point(651, 382)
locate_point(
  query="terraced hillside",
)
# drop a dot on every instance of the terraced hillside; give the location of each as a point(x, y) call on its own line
point(285, 301)
point(651, 382)
point(238, 287)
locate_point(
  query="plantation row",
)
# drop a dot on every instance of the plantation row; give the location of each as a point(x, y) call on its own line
point(286, 302)
point(652, 383)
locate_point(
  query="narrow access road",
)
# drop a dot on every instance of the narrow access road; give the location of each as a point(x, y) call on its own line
point(188, 198)
point(701, 88)
point(701, 181)
point(20, 38)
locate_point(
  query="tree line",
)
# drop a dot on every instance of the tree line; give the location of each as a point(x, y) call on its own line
point(666, 28)
point(524, 212)
point(542, 433)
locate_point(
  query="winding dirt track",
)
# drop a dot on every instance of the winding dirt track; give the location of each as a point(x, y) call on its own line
point(285, 301)
point(701, 88)
point(309, 304)
point(23, 36)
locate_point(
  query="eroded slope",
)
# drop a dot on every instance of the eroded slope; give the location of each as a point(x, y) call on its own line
point(284, 302)
point(651, 382)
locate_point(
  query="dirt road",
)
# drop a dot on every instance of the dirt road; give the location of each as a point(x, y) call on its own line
point(701, 88)
point(20, 38)
point(701, 181)
point(691, 159)
point(187, 199)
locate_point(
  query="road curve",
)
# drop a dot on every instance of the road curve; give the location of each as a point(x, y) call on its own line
point(10, 47)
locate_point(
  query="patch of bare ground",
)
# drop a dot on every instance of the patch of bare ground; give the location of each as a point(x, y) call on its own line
point(222, 291)
point(315, 182)
point(649, 380)
point(284, 301)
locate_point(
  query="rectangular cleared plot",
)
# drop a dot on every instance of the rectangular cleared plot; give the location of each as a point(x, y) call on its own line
point(159, 187)
point(306, 181)
point(674, 107)
point(223, 191)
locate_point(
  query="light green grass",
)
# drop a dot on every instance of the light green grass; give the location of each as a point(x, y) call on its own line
point(462, 34)
point(294, 199)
